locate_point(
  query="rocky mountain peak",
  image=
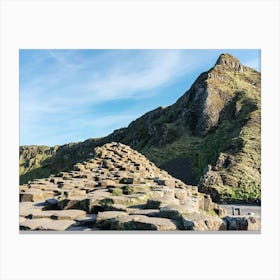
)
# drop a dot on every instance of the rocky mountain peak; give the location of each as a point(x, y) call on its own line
point(203, 104)
point(230, 62)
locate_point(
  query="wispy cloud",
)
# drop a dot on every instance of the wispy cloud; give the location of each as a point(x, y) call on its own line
point(127, 82)
point(64, 82)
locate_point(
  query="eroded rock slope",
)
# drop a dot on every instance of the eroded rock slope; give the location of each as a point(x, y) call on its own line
point(118, 189)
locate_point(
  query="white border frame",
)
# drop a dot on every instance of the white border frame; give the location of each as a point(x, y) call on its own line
point(139, 24)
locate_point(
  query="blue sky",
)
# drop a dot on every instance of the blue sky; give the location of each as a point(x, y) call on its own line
point(72, 95)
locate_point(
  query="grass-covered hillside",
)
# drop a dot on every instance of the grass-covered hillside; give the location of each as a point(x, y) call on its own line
point(216, 125)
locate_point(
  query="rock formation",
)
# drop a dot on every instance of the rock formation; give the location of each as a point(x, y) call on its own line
point(214, 128)
point(118, 189)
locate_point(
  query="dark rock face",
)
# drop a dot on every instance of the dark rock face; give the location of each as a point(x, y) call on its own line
point(249, 223)
point(181, 168)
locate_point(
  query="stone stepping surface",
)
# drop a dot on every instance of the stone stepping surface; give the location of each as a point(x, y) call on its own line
point(117, 189)
point(46, 224)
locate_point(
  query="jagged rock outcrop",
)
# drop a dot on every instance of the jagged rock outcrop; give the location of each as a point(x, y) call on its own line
point(202, 105)
point(118, 189)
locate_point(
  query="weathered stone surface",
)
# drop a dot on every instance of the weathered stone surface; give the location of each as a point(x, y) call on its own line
point(39, 214)
point(202, 222)
point(133, 189)
point(51, 204)
point(156, 194)
point(191, 202)
point(120, 174)
point(166, 182)
point(125, 200)
point(88, 220)
point(28, 204)
point(220, 211)
point(168, 192)
point(128, 180)
point(41, 187)
point(78, 228)
point(116, 191)
point(192, 223)
point(254, 223)
point(79, 167)
point(100, 192)
point(54, 214)
point(23, 188)
point(72, 202)
point(115, 207)
point(55, 180)
point(180, 193)
point(142, 222)
point(34, 195)
point(215, 223)
point(68, 214)
point(74, 192)
point(21, 219)
point(153, 204)
point(107, 215)
point(27, 208)
point(108, 219)
point(59, 225)
point(108, 183)
point(207, 202)
point(243, 223)
point(137, 198)
point(147, 212)
point(158, 203)
point(33, 224)
point(175, 211)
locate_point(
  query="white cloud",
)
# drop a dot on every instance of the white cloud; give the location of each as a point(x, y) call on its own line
point(126, 83)
point(50, 93)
